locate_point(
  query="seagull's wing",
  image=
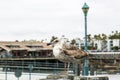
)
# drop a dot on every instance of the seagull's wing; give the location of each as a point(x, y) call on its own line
point(69, 47)
point(69, 52)
point(75, 53)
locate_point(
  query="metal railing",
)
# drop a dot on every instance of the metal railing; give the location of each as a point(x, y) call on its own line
point(8, 69)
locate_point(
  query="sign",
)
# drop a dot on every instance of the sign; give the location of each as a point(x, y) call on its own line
point(30, 67)
point(18, 73)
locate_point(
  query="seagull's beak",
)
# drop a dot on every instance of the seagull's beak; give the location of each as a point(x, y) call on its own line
point(49, 44)
point(52, 43)
point(55, 41)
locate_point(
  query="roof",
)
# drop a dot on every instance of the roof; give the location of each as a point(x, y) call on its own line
point(25, 45)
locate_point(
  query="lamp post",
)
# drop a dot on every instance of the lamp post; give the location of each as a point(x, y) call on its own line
point(30, 70)
point(85, 9)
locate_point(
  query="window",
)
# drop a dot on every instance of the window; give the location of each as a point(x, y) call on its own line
point(96, 46)
point(111, 43)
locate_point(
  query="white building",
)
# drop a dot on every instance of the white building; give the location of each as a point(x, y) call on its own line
point(108, 45)
point(112, 43)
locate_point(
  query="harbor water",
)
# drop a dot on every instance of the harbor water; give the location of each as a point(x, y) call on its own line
point(38, 76)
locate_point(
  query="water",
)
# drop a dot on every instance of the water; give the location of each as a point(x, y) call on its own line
point(24, 76)
point(38, 76)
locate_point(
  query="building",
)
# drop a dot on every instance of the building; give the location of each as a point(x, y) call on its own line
point(113, 44)
point(100, 45)
point(108, 45)
point(24, 49)
point(14, 55)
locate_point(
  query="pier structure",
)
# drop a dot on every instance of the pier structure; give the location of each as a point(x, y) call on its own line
point(21, 54)
point(25, 49)
point(105, 61)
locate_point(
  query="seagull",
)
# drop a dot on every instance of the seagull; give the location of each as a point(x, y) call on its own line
point(65, 52)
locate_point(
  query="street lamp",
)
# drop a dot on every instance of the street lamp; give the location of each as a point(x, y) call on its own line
point(85, 9)
point(30, 70)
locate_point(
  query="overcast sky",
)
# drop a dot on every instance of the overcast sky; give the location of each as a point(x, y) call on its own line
point(41, 19)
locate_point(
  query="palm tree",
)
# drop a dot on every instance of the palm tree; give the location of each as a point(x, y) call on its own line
point(89, 37)
point(97, 37)
point(73, 41)
point(104, 37)
point(115, 35)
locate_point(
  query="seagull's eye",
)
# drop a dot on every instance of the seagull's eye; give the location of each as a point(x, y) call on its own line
point(56, 41)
